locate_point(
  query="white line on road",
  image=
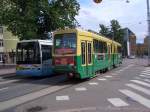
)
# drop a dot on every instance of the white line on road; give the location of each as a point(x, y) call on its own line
point(147, 80)
point(141, 82)
point(114, 74)
point(1, 89)
point(145, 76)
point(9, 81)
point(108, 76)
point(142, 100)
point(28, 97)
point(62, 98)
point(101, 79)
point(81, 89)
point(144, 73)
point(117, 102)
point(93, 83)
point(137, 77)
point(147, 68)
point(139, 88)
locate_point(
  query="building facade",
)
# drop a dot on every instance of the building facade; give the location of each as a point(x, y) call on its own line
point(142, 49)
point(1, 45)
point(129, 43)
point(8, 44)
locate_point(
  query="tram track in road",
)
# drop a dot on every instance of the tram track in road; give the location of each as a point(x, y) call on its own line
point(15, 80)
point(36, 89)
point(37, 93)
point(57, 86)
point(22, 88)
point(8, 75)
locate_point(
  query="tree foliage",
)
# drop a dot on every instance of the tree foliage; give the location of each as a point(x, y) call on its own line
point(104, 30)
point(30, 19)
point(114, 31)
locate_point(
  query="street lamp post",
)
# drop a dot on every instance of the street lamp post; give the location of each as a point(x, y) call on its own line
point(148, 21)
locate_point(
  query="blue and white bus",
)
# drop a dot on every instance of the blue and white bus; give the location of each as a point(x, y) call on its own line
point(34, 58)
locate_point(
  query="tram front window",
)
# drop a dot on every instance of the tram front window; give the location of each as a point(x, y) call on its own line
point(65, 43)
point(28, 53)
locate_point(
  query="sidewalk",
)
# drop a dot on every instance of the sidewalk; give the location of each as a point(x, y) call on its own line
point(7, 69)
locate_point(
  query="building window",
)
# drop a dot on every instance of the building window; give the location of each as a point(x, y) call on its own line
point(1, 30)
point(1, 57)
point(1, 43)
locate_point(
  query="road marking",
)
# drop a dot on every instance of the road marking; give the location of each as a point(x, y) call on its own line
point(101, 79)
point(81, 89)
point(141, 82)
point(137, 77)
point(147, 80)
point(62, 98)
point(121, 70)
point(139, 88)
point(1, 89)
point(117, 102)
point(108, 76)
point(146, 71)
point(114, 74)
point(28, 97)
point(142, 100)
point(10, 81)
point(84, 109)
point(93, 83)
point(144, 76)
point(117, 72)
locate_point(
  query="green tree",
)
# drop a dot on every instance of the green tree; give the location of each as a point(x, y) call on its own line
point(30, 19)
point(104, 30)
point(114, 31)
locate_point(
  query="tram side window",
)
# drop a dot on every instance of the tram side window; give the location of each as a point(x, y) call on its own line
point(46, 52)
point(104, 47)
point(99, 46)
point(95, 45)
point(83, 52)
point(89, 53)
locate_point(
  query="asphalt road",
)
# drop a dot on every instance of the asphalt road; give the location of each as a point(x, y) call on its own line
point(123, 89)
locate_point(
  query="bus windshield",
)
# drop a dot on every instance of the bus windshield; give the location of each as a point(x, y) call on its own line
point(65, 43)
point(28, 53)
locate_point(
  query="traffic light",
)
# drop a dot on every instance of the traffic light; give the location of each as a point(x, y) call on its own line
point(97, 1)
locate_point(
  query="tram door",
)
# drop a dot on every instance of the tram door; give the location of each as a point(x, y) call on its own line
point(86, 57)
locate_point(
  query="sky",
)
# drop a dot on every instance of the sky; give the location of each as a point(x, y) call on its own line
point(132, 15)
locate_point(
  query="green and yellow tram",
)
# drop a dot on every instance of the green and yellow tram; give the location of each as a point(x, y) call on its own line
point(82, 53)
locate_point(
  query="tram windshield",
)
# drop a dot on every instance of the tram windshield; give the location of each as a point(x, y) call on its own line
point(65, 43)
point(28, 53)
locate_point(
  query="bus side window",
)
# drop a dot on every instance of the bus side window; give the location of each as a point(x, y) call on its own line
point(46, 52)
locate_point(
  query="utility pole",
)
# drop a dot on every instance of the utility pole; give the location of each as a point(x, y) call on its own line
point(148, 21)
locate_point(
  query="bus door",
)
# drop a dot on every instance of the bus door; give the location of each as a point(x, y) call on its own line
point(86, 57)
point(46, 51)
